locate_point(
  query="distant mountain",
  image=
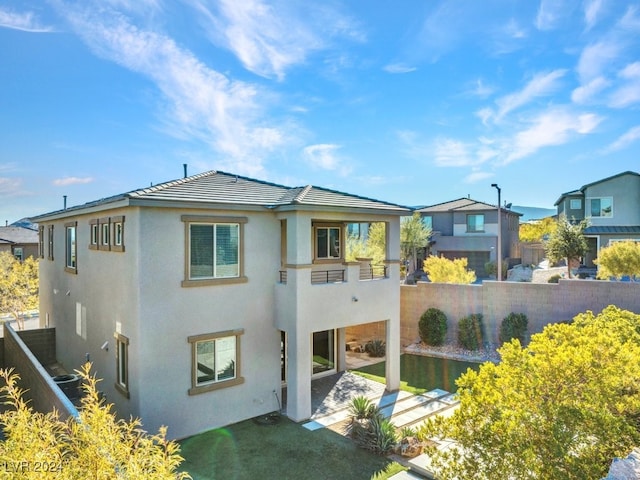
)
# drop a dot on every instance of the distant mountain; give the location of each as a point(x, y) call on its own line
point(533, 213)
point(25, 223)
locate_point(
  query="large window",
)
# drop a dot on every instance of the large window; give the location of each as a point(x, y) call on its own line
point(70, 247)
point(600, 207)
point(41, 241)
point(215, 361)
point(475, 223)
point(214, 250)
point(328, 241)
point(122, 364)
point(427, 221)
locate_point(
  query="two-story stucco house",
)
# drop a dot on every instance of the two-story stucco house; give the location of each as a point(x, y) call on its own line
point(467, 228)
point(611, 207)
point(198, 300)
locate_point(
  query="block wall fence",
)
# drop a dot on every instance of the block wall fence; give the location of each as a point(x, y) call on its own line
point(543, 303)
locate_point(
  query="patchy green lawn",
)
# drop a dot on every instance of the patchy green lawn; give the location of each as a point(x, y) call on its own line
point(286, 450)
point(419, 374)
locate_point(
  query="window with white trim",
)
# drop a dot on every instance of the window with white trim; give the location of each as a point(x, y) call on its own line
point(71, 265)
point(600, 207)
point(122, 364)
point(575, 204)
point(328, 240)
point(215, 361)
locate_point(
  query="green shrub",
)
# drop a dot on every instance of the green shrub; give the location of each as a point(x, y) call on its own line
point(513, 326)
point(375, 348)
point(491, 269)
point(361, 407)
point(433, 327)
point(379, 437)
point(554, 278)
point(470, 332)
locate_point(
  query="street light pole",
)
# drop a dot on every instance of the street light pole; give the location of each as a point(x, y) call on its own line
point(499, 252)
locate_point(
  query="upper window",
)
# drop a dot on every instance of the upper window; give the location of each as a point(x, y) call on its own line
point(214, 250)
point(95, 234)
point(600, 207)
point(18, 252)
point(41, 241)
point(122, 364)
point(70, 247)
point(328, 242)
point(50, 242)
point(575, 204)
point(107, 234)
point(215, 361)
point(475, 223)
point(427, 221)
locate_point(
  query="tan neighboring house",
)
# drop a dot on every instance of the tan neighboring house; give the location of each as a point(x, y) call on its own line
point(467, 228)
point(21, 242)
point(200, 300)
point(611, 207)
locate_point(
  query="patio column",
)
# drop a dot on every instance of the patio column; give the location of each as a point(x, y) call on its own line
point(341, 354)
point(299, 376)
point(392, 365)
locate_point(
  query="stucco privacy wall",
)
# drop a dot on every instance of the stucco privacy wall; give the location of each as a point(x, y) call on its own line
point(542, 303)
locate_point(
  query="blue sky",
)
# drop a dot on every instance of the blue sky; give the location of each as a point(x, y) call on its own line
point(413, 102)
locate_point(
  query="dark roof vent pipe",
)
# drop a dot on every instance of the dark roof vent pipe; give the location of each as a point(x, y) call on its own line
point(184, 166)
point(65, 201)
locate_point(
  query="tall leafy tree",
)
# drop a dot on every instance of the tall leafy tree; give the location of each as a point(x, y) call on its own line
point(567, 242)
point(374, 246)
point(536, 232)
point(618, 260)
point(443, 270)
point(562, 408)
point(18, 286)
point(96, 445)
point(414, 234)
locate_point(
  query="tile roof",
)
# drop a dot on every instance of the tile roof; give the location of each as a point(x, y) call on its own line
point(18, 235)
point(216, 187)
point(462, 204)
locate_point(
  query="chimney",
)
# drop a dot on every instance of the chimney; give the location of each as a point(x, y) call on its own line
point(65, 201)
point(184, 166)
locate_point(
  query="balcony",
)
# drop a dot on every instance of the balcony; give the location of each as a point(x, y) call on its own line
point(366, 272)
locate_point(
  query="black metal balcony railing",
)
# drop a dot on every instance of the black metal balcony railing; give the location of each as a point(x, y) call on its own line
point(283, 276)
point(371, 272)
point(327, 276)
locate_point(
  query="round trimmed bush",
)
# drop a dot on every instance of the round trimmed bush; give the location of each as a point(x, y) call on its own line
point(513, 326)
point(554, 278)
point(470, 332)
point(433, 327)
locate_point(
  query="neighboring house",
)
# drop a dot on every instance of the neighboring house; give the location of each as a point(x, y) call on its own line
point(198, 300)
point(611, 207)
point(466, 228)
point(21, 242)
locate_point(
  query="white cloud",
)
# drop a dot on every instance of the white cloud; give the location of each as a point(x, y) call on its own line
point(399, 68)
point(25, 21)
point(630, 136)
point(325, 156)
point(540, 85)
point(549, 14)
point(200, 103)
point(584, 93)
point(514, 30)
point(629, 92)
point(591, 10)
point(631, 19)
point(595, 58)
point(556, 126)
point(479, 89)
point(452, 153)
point(269, 38)
point(66, 181)
point(476, 177)
point(11, 187)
